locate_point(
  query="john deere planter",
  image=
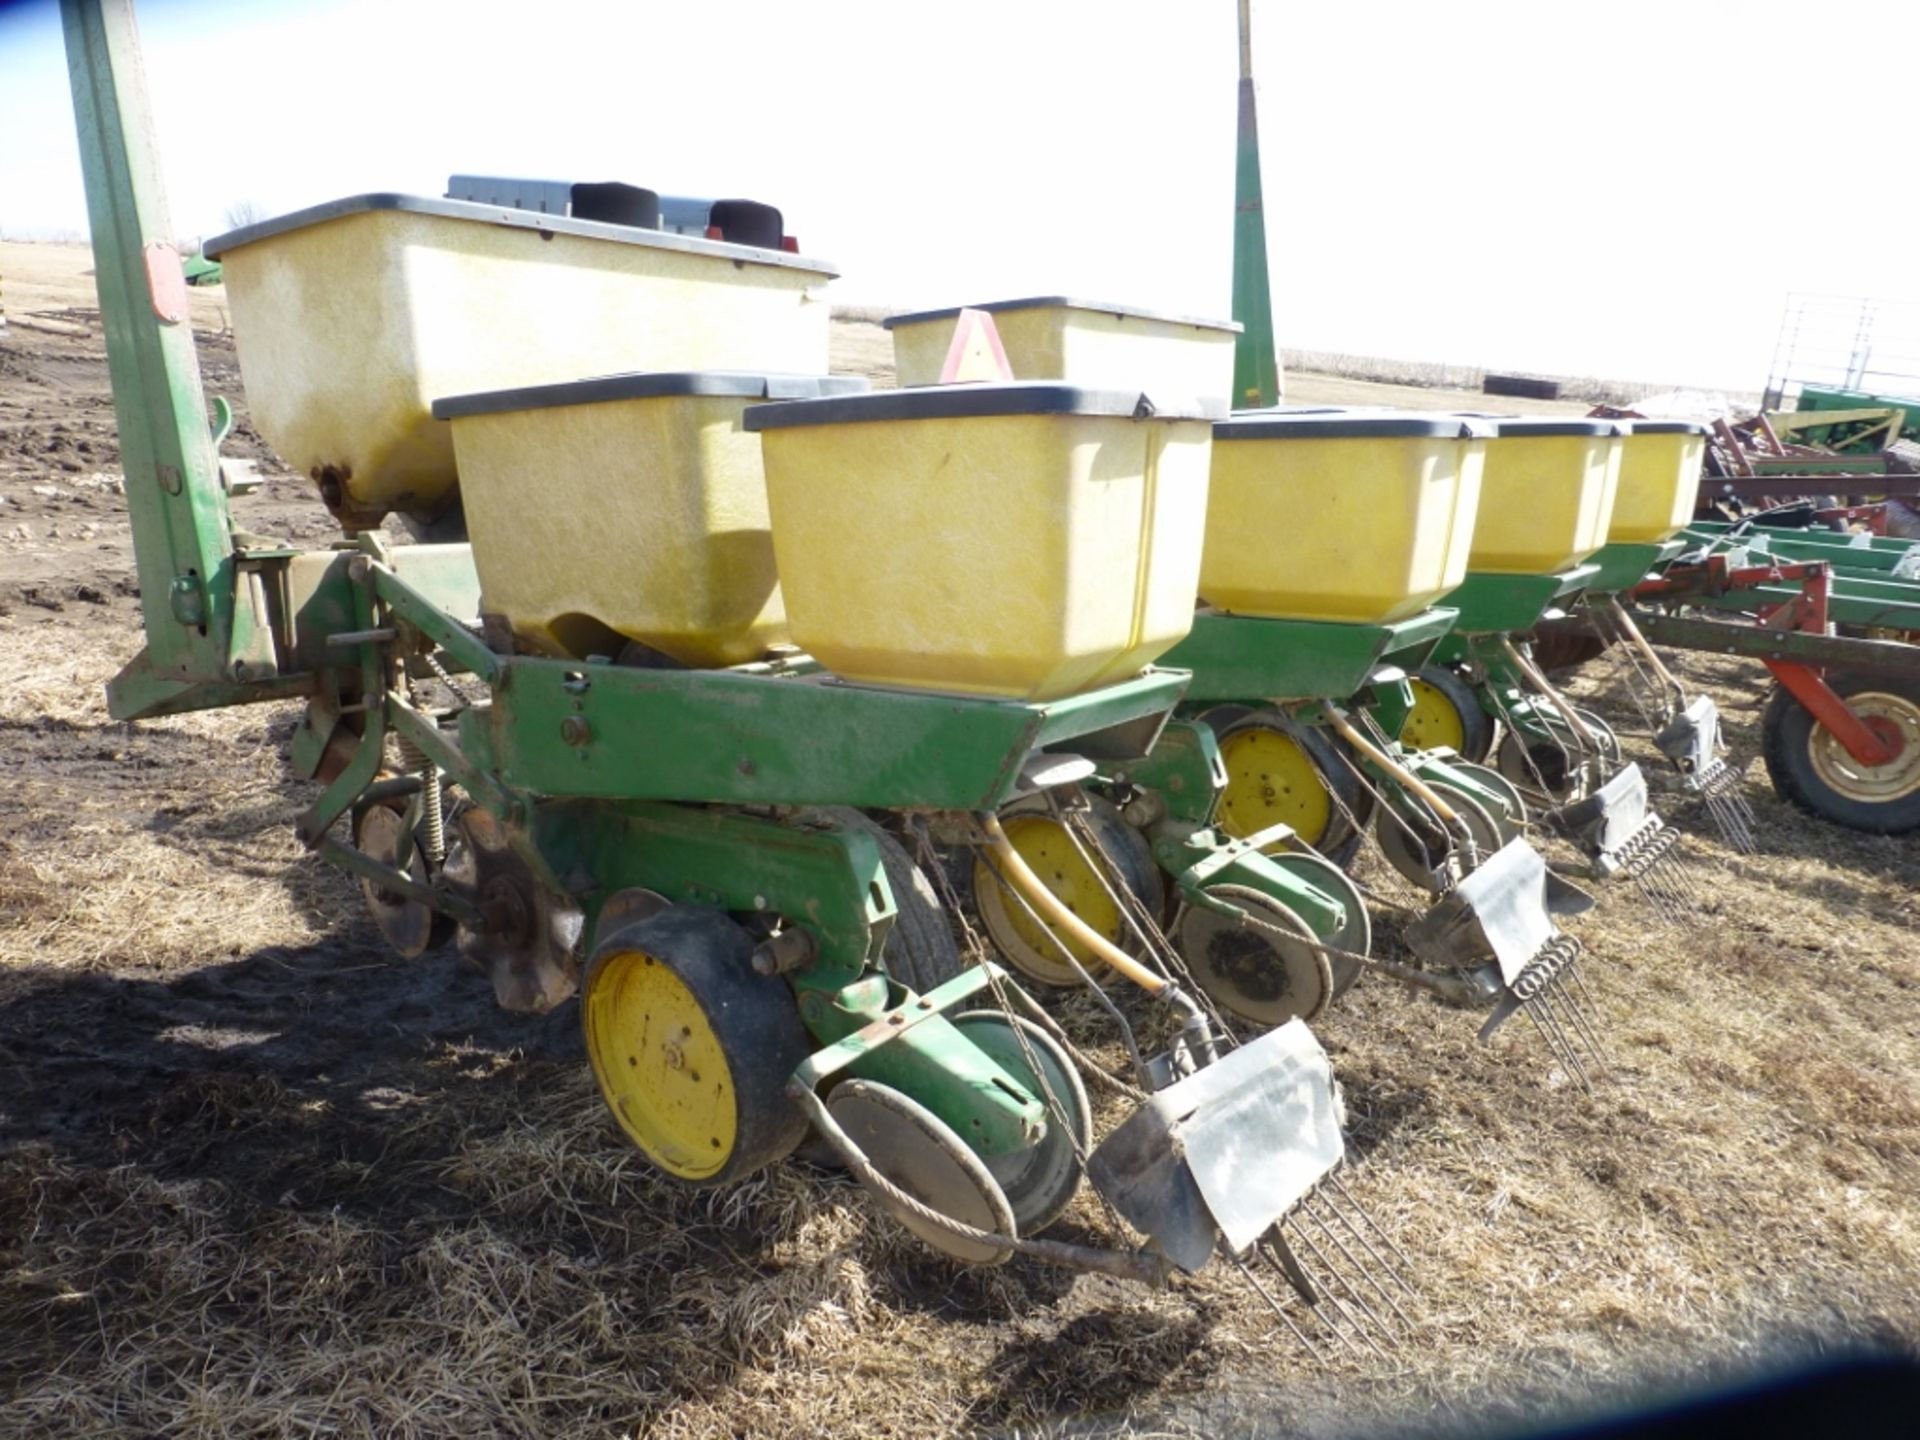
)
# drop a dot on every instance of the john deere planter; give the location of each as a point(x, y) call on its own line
point(628, 739)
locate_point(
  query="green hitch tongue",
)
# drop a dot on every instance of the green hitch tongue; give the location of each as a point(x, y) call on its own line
point(1240, 1159)
point(1504, 913)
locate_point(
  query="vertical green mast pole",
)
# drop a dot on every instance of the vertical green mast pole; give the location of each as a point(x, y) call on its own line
point(1256, 364)
point(181, 536)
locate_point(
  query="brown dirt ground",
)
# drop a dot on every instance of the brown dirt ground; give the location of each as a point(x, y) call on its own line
point(258, 1178)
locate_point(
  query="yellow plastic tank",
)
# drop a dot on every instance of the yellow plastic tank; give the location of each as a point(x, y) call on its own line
point(352, 317)
point(1660, 469)
point(1085, 342)
point(1546, 494)
point(1022, 540)
point(631, 504)
point(1335, 515)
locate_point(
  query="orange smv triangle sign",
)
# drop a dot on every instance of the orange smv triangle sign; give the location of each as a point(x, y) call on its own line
point(976, 352)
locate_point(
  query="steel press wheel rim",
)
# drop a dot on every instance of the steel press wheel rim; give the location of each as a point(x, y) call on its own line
point(1406, 852)
point(1356, 936)
point(1514, 822)
point(1049, 851)
point(1870, 784)
point(1272, 780)
point(920, 1153)
point(1517, 756)
point(660, 1065)
point(1259, 976)
point(1434, 721)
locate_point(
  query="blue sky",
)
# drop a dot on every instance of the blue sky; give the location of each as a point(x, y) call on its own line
point(1610, 190)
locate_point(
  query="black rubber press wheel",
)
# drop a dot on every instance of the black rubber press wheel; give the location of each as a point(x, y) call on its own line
point(921, 952)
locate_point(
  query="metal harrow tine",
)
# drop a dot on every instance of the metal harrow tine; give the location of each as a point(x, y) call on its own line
point(1345, 1282)
point(1579, 979)
point(1281, 1257)
point(1556, 1043)
point(1311, 1207)
point(1246, 1273)
point(1726, 822)
point(1333, 1186)
point(1557, 988)
point(1325, 1195)
point(1651, 859)
point(1284, 1259)
point(1534, 989)
point(1578, 982)
point(1720, 789)
point(1660, 886)
point(1655, 899)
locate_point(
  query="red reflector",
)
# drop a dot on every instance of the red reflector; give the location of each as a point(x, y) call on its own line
point(166, 283)
point(789, 244)
point(714, 232)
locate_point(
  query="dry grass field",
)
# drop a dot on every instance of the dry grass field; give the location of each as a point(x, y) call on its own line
point(258, 1178)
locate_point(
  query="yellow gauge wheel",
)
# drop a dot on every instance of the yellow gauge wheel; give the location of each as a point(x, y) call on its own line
point(661, 1066)
point(1049, 850)
point(1434, 721)
point(1272, 780)
point(690, 1047)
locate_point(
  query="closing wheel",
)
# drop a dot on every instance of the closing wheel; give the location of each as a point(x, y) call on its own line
point(1041, 1180)
point(1812, 769)
point(1537, 764)
point(1418, 845)
point(1608, 737)
point(1356, 935)
point(1049, 849)
point(1446, 713)
point(529, 942)
point(410, 927)
point(1282, 772)
point(1510, 819)
point(918, 1151)
point(692, 1049)
point(1268, 972)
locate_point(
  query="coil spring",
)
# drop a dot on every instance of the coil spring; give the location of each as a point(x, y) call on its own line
point(1553, 957)
point(433, 826)
point(1647, 847)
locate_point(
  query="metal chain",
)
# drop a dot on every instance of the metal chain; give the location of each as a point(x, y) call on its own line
point(1519, 738)
point(1371, 835)
point(1629, 671)
point(1173, 963)
point(977, 951)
